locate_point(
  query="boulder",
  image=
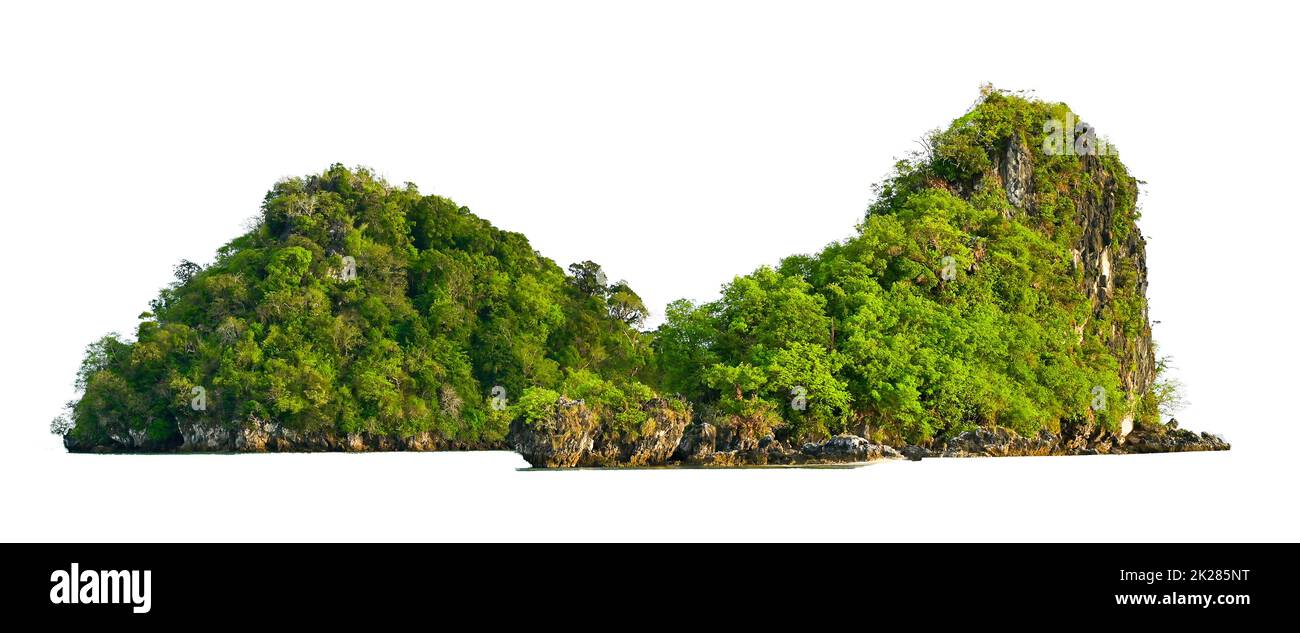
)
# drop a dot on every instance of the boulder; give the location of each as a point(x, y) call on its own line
point(559, 440)
point(423, 441)
point(698, 443)
point(1170, 439)
point(1000, 442)
point(848, 449)
point(203, 437)
point(651, 445)
point(255, 437)
point(661, 435)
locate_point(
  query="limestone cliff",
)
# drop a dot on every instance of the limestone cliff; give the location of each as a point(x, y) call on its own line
point(1058, 175)
point(1097, 250)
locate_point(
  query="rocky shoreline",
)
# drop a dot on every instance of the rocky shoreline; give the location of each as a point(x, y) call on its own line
point(573, 437)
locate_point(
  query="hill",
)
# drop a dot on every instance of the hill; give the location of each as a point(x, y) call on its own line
point(355, 309)
point(991, 301)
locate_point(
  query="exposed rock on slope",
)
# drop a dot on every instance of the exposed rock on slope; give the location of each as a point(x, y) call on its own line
point(652, 445)
point(565, 439)
point(560, 440)
point(1171, 439)
point(1108, 242)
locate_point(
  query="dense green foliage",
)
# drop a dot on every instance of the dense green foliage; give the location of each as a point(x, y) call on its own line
point(871, 335)
point(948, 309)
point(438, 309)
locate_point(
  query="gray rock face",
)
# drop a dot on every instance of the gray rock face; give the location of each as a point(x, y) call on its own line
point(557, 441)
point(204, 437)
point(1102, 254)
point(658, 443)
point(741, 434)
point(570, 438)
point(288, 440)
point(698, 443)
point(848, 449)
point(130, 440)
point(1015, 168)
point(425, 441)
point(1098, 251)
point(1078, 437)
point(841, 449)
point(774, 452)
point(654, 445)
point(1171, 439)
point(1082, 437)
point(606, 451)
point(999, 442)
point(256, 436)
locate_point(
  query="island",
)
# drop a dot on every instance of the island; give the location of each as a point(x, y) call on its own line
point(991, 302)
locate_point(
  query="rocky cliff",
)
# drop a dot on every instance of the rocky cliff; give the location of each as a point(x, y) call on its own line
point(1058, 175)
point(1103, 200)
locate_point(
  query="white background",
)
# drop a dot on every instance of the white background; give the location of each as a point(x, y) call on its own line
point(677, 144)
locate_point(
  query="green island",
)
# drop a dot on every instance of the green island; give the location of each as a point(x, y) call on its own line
point(992, 301)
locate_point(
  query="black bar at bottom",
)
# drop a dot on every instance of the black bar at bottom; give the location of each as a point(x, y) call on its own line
point(648, 585)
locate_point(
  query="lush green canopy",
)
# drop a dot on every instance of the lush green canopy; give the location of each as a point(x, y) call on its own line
point(947, 310)
point(355, 306)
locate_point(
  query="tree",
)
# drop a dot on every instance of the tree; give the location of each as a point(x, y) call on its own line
point(588, 278)
point(625, 305)
point(186, 270)
point(742, 378)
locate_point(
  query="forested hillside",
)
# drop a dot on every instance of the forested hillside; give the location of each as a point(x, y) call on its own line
point(995, 284)
point(998, 279)
point(358, 307)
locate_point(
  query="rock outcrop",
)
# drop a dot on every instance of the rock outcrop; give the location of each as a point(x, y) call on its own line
point(560, 440)
point(651, 445)
point(1079, 438)
point(256, 436)
point(841, 449)
point(698, 443)
point(1103, 254)
point(999, 442)
point(1109, 243)
point(572, 437)
point(849, 448)
point(1171, 439)
point(1015, 167)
